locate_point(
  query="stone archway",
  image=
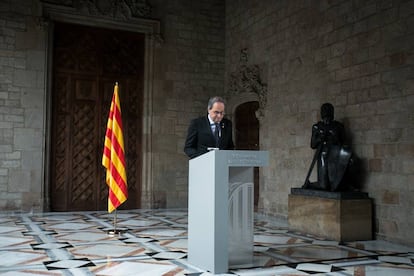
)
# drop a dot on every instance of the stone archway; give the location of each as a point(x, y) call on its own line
point(246, 91)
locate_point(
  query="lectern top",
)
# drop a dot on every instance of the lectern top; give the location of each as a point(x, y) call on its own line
point(247, 158)
point(237, 158)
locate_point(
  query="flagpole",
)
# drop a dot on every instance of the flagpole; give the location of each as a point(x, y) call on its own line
point(115, 215)
point(115, 220)
point(113, 160)
point(115, 230)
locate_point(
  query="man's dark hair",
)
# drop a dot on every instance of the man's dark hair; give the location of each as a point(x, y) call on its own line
point(214, 100)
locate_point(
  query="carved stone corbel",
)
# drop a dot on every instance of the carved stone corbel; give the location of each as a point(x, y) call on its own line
point(157, 39)
point(41, 23)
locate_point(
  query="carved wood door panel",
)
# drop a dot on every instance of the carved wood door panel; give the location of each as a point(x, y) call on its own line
point(86, 63)
point(247, 136)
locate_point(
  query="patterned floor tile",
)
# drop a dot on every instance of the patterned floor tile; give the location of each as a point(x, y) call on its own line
point(154, 242)
point(128, 268)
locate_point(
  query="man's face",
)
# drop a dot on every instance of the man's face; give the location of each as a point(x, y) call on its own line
point(216, 112)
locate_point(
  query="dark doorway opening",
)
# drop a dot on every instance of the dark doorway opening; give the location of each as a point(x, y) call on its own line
point(86, 64)
point(247, 136)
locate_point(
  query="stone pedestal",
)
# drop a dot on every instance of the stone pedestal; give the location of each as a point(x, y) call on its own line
point(339, 216)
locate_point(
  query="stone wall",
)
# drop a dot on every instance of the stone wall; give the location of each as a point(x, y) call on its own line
point(189, 70)
point(358, 55)
point(22, 106)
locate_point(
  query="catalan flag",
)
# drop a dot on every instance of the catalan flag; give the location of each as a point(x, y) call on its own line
point(113, 158)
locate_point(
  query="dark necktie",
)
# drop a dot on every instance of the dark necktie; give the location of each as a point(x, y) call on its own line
point(217, 134)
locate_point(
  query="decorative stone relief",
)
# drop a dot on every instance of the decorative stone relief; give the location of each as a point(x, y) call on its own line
point(247, 80)
point(131, 15)
point(121, 9)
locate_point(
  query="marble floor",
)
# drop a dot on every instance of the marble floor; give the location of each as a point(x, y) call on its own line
point(154, 243)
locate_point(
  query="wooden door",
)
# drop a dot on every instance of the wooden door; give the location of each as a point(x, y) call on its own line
point(247, 136)
point(86, 64)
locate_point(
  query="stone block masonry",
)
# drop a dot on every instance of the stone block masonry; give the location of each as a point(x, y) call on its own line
point(356, 55)
point(22, 107)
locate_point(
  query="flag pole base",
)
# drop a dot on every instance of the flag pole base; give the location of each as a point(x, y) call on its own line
point(116, 232)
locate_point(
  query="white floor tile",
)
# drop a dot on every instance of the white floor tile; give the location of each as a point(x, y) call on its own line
point(133, 269)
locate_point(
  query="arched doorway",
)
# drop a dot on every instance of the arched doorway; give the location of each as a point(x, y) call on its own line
point(246, 132)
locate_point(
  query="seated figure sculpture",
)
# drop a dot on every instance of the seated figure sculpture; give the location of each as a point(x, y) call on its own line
point(331, 155)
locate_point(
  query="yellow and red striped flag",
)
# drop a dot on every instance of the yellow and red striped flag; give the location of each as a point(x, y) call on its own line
point(113, 158)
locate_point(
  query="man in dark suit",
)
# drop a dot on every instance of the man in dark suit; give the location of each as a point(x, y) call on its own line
point(209, 132)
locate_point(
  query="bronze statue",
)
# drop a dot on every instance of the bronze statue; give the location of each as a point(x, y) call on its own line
point(331, 155)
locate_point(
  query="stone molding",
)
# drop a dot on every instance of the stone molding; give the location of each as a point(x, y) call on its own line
point(92, 13)
point(111, 8)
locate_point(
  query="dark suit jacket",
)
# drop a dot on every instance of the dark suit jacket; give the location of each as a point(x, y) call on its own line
point(200, 137)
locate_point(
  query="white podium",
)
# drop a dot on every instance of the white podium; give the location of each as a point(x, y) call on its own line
point(220, 208)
